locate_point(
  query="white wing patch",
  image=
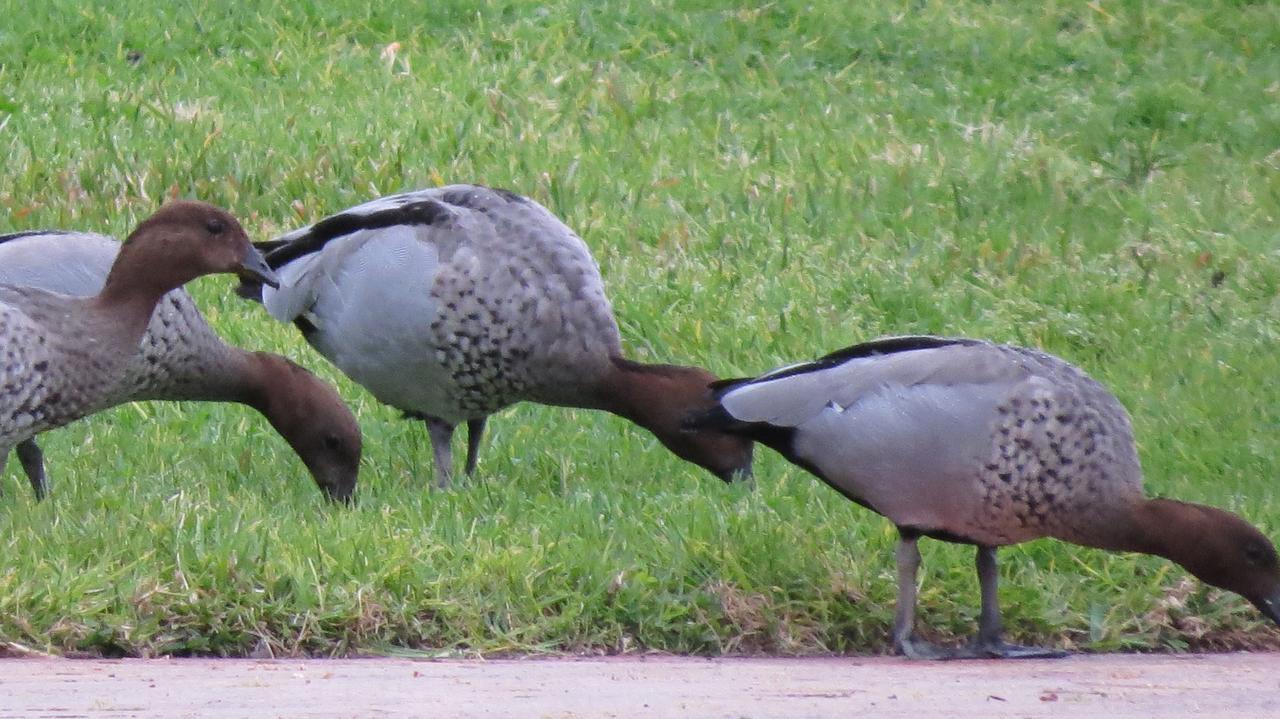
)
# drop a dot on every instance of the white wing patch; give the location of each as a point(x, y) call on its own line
point(790, 400)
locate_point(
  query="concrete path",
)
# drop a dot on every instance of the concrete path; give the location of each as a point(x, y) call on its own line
point(1222, 685)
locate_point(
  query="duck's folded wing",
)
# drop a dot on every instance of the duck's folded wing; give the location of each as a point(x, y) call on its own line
point(404, 210)
point(791, 396)
point(903, 433)
point(69, 263)
point(376, 270)
point(906, 451)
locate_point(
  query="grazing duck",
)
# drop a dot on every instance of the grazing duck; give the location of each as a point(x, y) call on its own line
point(181, 358)
point(451, 303)
point(976, 443)
point(63, 355)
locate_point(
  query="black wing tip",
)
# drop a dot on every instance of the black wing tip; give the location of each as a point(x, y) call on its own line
point(718, 419)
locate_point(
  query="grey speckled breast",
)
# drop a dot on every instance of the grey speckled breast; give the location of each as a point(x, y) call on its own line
point(54, 371)
point(179, 357)
point(1062, 452)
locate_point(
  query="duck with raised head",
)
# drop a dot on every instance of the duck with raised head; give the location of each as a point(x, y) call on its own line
point(182, 358)
point(451, 303)
point(64, 354)
point(990, 445)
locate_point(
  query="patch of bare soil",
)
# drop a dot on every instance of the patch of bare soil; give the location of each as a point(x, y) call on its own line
point(1206, 685)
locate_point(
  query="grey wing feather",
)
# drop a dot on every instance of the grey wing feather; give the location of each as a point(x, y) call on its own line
point(793, 399)
point(69, 263)
point(905, 450)
point(351, 268)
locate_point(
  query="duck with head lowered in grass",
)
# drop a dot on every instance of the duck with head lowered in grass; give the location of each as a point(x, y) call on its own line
point(454, 302)
point(182, 358)
point(972, 442)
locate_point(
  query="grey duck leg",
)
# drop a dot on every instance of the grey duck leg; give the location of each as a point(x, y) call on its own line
point(441, 433)
point(33, 464)
point(904, 619)
point(988, 644)
point(475, 432)
point(990, 640)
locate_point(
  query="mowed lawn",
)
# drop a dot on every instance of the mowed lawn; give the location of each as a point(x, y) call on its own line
point(760, 185)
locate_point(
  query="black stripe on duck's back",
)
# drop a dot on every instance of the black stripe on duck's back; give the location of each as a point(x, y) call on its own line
point(885, 346)
point(892, 345)
point(268, 246)
point(418, 207)
point(417, 212)
point(30, 233)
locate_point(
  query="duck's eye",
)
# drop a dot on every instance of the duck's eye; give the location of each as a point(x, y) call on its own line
point(1255, 554)
point(215, 226)
point(331, 441)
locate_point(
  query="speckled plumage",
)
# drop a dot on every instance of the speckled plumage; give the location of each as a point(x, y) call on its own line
point(986, 443)
point(181, 358)
point(490, 301)
point(52, 378)
point(451, 303)
point(1063, 453)
point(969, 441)
point(179, 352)
point(63, 354)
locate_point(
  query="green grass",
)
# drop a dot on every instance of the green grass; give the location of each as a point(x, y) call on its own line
point(760, 186)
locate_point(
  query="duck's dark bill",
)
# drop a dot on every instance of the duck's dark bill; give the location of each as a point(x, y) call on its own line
point(255, 267)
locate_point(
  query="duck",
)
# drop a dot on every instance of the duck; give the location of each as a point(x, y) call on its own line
point(453, 302)
point(181, 358)
point(972, 442)
point(64, 354)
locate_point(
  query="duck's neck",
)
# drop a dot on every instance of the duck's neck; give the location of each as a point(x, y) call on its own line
point(130, 293)
point(230, 374)
point(647, 395)
point(1162, 527)
point(268, 383)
